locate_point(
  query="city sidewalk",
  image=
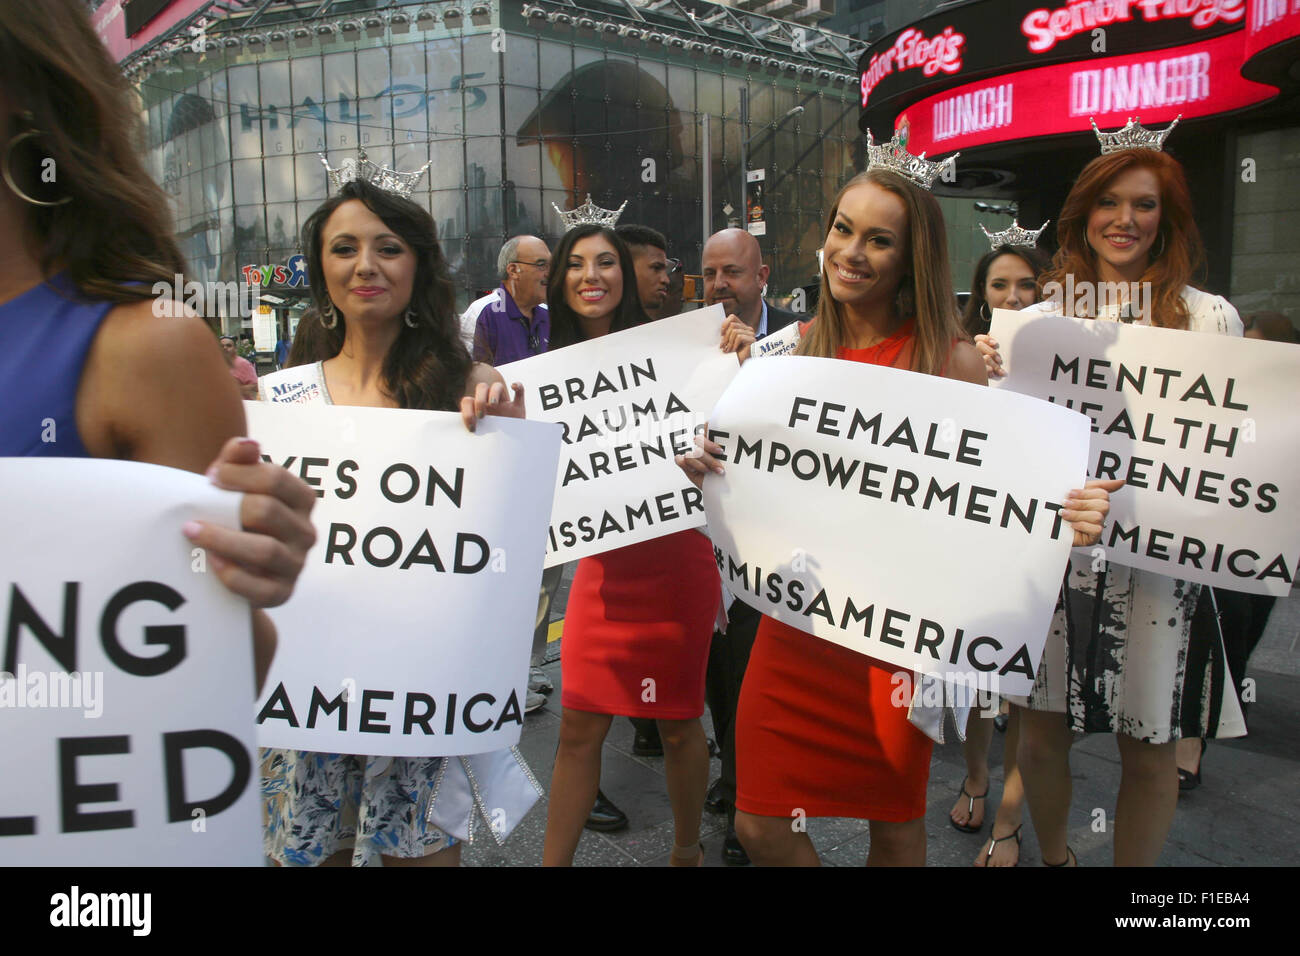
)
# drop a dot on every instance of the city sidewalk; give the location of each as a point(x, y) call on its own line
point(1245, 812)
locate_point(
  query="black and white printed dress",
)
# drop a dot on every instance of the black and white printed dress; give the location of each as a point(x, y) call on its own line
point(1122, 654)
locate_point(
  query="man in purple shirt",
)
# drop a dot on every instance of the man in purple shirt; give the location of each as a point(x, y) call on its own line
point(511, 322)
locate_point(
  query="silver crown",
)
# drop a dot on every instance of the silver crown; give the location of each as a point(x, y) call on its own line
point(1015, 236)
point(362, 169)
point(1133, 136)
point(895, 157)
point(589, 212)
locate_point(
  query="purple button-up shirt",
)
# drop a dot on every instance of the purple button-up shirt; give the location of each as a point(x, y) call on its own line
point(504, 334)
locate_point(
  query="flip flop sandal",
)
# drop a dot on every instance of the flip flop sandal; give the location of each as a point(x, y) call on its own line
point(994, 841)
point(1069, 855)
point(970, 809)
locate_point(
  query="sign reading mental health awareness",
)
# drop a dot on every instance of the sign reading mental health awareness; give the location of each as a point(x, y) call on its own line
point(907, 517)
point(127, 683)
point(628, 404)
point(1202, 427)
point(409, 631)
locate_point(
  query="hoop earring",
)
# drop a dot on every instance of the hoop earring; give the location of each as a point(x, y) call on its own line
point(905, 298)
point(333, 316)
point(411, 319)
point(984, 311)
point(8, 173)
point(1157, 255)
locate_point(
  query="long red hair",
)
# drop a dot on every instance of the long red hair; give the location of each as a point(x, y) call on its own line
point(1180, 257)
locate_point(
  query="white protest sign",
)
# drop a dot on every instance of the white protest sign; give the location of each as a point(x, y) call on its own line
point(628, 403)
point(126, 684)
point(1203, 428)
point(908, 517)
point(409, 631)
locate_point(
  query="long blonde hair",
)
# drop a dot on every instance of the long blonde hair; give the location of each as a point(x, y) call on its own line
point(925, 292)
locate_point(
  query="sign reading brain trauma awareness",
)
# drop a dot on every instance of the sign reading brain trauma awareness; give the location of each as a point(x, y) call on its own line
point(409, 630)
point(907, 517)
point(628, 403)
point(1202, 427)
point(127, 682)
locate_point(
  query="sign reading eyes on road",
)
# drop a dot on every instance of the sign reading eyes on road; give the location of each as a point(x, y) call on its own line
point(1201, 426)
point(409, 629)
point(628, 404)
point(126, 684)
point(860, 503)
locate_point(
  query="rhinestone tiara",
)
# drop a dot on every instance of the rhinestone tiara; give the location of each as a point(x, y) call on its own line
point(360, 168)
point(1133, 136)
point(1015, 236)
point(895, 157)
point(589, 212)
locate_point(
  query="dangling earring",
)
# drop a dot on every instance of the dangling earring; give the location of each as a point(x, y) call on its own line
point(7, 161)
point(984, 311)
point(330, 314)
point(1157, 255)
point(411, 319)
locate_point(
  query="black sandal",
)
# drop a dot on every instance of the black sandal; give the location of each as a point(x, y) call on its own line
point(994, 841)
point(1069, 855)
point(1188, 780)
point(970, 809)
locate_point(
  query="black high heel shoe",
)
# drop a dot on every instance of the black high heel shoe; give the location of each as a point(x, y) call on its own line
point(1188, 780)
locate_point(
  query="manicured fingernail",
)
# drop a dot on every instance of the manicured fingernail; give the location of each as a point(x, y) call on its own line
point(718, 470)
point(212, 474)
point(248, 442)
point(191, 529)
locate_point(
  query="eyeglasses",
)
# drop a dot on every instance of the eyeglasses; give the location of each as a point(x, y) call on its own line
point(542, 264)
point(674, 265)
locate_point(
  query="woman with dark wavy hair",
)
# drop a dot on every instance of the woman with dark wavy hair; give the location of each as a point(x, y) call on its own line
point(83, 339)
point(1116, 656)
point(385, 336)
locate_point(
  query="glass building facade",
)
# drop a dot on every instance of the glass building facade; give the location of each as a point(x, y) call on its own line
point(516, 110)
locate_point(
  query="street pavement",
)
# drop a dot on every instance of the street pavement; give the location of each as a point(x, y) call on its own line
point(1245, 812)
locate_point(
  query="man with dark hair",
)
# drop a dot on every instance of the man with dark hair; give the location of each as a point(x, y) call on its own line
point(735, 276)
point(650, 259)
point(511, 322)
point(241, 368)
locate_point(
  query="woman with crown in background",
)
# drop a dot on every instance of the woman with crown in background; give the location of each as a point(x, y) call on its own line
point(817, 731)
point(1116, 657)
point(387, 337)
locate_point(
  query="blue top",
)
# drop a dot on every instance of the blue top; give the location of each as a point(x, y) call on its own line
point(45, 336)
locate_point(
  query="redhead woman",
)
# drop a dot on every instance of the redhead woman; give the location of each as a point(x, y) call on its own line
point(1116, 654)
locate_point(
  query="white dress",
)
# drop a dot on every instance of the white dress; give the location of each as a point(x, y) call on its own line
point(316, 803)
point(1118, 661)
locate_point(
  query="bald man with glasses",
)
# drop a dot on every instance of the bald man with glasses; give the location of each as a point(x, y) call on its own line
point(511, 322)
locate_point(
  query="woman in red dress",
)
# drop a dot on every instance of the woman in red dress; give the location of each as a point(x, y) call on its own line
point(639, 619)
point(816, 731)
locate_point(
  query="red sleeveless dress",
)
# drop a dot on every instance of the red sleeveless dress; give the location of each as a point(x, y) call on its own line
point(637, 629)
point(817, 728)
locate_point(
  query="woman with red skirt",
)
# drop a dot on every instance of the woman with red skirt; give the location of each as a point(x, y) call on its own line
point(639, 619)
point(817, 733)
